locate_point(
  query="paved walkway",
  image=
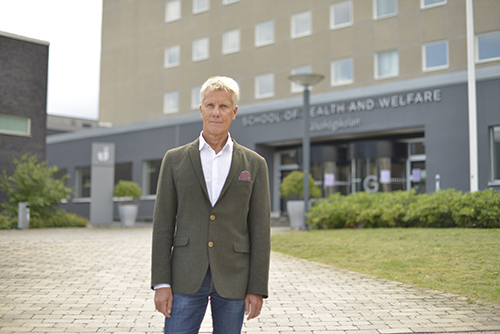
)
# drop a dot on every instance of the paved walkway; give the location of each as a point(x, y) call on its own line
point(96, 280)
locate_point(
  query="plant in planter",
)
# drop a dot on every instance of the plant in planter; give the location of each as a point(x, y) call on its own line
point(127, 192)
point(293, 185)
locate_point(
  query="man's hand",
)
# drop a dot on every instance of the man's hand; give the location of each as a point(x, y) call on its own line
point(253, 305)
point(163, 301)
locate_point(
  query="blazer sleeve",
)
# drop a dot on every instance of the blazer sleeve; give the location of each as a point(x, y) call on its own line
point(259, 224)
point(164, 220)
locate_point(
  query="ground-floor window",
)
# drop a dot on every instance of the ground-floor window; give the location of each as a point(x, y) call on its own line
point(150, 176)
point(368, 165)
point(495, 153)
point(82, 182)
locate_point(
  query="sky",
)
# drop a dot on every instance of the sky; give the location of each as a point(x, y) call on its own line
point(73, 29)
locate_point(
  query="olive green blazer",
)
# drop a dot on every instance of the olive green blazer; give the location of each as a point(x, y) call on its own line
point(232, 237)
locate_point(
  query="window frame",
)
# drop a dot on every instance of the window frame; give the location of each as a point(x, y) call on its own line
point(424, 6)
point(379, 77)
point(257, 94)
point(166, 96)
point(197, 9)
point(203, 57)
point(17, 133)
point(195, 97)
point(479, 61)
point(332, 15)
point(376, 16)
point(167, 11)
point(258, 42)
point(229, 2)
point(225, 41)
point(293, 25)
point(79, 185)
point(425, 68)
point(332, 73)
point(146, 180)
point(494, 163)
point(167, 62)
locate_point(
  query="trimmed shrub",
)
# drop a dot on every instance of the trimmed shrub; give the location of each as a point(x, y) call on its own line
point(446, 208)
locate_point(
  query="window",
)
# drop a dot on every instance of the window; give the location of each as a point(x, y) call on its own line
point(341, 72)
point(123, 171)
point(83, 182)
point(195, 97)
point(264, 86)
point(173, 11)
point(228, 2)
point(172, 56)
point(432, 3)
point(200, 49)
point(387, 64)
point(341, 15)
point(301, 24)
point(171, 103)
point(495, 153)
point(488, 46)
point(264, 33)
point(385, 8)
point(296, 88)
point(200, 6)
point(150, 176)
point(435, 56)
point(15, 125)
point(231, 42)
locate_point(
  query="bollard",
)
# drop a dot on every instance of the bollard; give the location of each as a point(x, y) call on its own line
point(23, 215)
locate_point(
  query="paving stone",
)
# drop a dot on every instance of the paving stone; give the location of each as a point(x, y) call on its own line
point(96, 280)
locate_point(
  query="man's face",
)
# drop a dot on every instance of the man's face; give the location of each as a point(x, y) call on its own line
point(217, 112)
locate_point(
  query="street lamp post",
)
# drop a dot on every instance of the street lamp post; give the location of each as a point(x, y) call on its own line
point(306, 80)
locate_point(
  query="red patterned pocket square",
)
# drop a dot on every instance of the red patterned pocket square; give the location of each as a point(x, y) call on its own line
point(245, 176)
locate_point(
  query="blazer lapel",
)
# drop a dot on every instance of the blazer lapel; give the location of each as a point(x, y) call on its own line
point(194, 153)
point(234, 170)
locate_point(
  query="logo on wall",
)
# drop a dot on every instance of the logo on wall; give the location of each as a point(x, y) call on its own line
point(104, 155)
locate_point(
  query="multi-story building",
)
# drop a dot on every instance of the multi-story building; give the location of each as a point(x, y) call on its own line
point(23, 99)
point(391, 113)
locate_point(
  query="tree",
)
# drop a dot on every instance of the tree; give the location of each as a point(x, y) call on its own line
point(33, 182)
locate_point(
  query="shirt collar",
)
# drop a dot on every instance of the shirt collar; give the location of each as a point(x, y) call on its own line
point(203, 142)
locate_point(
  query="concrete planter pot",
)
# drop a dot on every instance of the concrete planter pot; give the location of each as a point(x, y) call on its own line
point(295, 211)
point(128, 214)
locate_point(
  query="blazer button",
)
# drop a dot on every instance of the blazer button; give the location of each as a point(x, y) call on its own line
point(210, 244)
point(212, 217)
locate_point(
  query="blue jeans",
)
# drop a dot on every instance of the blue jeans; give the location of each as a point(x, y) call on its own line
point(188, 311)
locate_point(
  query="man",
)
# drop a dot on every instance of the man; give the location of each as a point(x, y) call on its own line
point(211, 228)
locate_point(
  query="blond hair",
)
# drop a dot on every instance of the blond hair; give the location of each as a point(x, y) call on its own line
point(221, 83)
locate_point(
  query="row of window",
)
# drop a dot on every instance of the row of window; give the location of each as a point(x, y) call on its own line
point(151, 168)
point(435, 56)
point(340, 13)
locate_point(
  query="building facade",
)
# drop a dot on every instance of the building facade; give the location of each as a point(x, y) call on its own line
point(391, 114)
point(23, 99)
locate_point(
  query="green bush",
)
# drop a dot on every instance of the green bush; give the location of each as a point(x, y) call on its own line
point(60, 220)
point(127, 189)
point(33, 182)
point(446, 208)
point(293, 185)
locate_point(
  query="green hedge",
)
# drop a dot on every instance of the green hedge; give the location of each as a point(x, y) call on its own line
point(60, 220)
point(445, 208)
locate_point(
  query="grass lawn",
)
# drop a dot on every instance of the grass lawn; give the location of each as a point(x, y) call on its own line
point(465, 262)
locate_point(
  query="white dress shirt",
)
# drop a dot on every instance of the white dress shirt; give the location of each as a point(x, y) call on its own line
point(215, 170)
point(215, 166)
